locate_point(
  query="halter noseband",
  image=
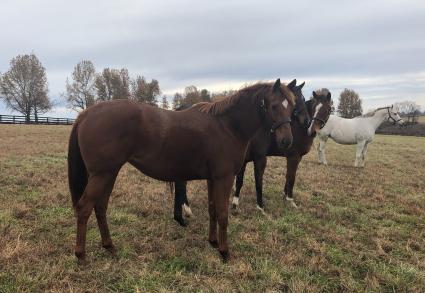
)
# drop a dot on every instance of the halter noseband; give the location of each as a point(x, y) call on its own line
point(279, 124)
point(322, 122)
point(392, 118)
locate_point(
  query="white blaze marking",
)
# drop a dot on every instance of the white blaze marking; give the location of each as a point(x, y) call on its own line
point(285, 103)
point(235, 201)
point(315, 114)
point(317, 109)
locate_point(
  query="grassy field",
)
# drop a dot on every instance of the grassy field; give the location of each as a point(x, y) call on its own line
point(355, 229)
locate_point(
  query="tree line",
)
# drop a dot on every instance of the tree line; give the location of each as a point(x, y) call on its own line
point(24, 89)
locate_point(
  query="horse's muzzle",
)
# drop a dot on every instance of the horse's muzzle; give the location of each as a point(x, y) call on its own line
point(285, 144)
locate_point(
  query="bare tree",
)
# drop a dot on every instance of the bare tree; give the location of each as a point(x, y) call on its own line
point(191, 95)
point(24, 86)
point(350, 104)
point(113, 84)
point(217, 96)
point(177, 100)
point(143, 91)
point(81, 92)
point(164, 103)
point(205, 95)
point(409, 109)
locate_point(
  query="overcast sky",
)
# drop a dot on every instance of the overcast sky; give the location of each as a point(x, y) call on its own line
point(374, 47)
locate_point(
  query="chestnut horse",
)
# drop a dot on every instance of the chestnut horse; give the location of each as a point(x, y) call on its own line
point(207, 141)
point(262, 145)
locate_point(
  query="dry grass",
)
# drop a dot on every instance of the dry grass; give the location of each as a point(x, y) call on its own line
point(355, 229)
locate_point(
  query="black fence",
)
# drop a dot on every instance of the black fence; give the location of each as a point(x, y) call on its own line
point(13, 119)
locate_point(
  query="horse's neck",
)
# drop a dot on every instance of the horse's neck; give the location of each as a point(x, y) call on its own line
point(378, 118)
point(310, 110)
point(244, 120)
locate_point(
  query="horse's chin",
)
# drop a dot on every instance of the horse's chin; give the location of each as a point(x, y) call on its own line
point(312, 131)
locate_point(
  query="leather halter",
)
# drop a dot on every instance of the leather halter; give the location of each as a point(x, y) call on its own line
point(275, 125)
point(394, 121)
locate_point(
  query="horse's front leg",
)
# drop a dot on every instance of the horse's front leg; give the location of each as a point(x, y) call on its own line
point(259, 167)
point(321, 150)
point(291, 172)
point(218, 197)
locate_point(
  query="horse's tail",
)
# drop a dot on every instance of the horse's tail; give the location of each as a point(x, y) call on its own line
point(77, 172)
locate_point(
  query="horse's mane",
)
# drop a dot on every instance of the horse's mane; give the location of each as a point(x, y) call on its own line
point(253, 92)
point(322, 92)
point(371, 113)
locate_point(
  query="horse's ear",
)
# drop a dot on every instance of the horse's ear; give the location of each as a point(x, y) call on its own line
point(276, 86)
point(302, 85)
point(292, 84)
point(328, 96)
point(314, 95)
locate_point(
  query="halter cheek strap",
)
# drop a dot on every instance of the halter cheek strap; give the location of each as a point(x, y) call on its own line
point(275, 125)
point(392, 118)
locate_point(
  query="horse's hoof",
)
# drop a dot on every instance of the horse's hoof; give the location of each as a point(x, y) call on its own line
point(291, 202)
point(213, 243)
point(181, 221)
point(235, 202)
point(225, 256)
point(110, 248)
point(261, 209)
point(81, 257)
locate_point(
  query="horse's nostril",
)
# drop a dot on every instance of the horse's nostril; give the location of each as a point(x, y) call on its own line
point(286, 143)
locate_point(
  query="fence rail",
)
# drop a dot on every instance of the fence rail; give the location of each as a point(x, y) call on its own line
point(13, 119)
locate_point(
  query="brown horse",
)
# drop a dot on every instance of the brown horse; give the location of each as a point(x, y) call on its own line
point(300, 115)
point(206, 141)
point(319, 108)
point(262, 145)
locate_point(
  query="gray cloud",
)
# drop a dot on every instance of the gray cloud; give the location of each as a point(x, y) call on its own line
point(375, 47)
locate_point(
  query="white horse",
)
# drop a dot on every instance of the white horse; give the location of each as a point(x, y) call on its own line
point(359, 130)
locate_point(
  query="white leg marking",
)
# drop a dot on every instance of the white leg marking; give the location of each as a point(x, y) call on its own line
point(235, 201)
point(261, 209)
point(291, 202)
point(187, 210)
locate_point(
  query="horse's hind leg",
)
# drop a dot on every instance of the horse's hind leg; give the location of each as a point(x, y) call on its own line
point(100, 210)
point(98, 187)
point(364, 152)
point(239, 183)
point(359, 150)
point(259, 167)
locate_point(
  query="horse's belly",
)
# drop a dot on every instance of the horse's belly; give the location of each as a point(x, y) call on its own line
point(343, 136)
point(171, 170)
